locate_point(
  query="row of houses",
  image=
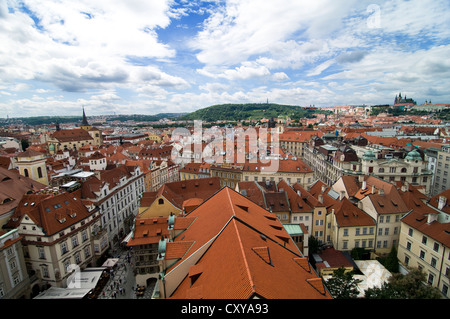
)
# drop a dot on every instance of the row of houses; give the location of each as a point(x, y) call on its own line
point(356, 212)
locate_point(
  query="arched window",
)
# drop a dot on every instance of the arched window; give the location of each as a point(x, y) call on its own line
point(381, 170)
point(39, 172)
point(161, 201)
point(403, 170)
point(25, 172)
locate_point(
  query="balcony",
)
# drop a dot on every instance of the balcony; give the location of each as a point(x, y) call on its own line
point(99, 233)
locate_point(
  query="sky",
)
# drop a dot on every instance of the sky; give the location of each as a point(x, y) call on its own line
point(172, 56)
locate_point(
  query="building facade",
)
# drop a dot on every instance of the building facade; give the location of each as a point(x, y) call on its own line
point(424, 244)
point(14, 278)
point(59, 233)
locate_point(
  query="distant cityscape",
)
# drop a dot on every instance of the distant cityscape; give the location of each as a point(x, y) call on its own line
point(268, 207)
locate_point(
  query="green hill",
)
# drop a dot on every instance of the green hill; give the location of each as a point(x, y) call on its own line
point(252, 111)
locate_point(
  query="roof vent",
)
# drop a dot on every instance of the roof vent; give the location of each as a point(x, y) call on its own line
point(245, 208)
point(303, 262)
point(263, 253)
point(317, 283)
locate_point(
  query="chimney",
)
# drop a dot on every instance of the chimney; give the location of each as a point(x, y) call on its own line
point(298, 193)
point(360, 205)
point(373, 189)
point(324, 188)
point(381, 191)
point(364, 185)
point(320, 198)
point(442, 202)
point(431, 218)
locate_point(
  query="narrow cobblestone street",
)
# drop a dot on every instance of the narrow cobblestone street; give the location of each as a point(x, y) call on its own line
point(122, 284)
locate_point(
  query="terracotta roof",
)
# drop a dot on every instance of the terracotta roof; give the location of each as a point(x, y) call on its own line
point(316, 191)
point(71, 135)
point(434, 201)
point(349, 215)
point(149, 231)
point(250, 255)
point(438, 231)
point(176, 250)
point(30, 153)
point(52, 213)
point(415, 199)
point(351, 184)
point(13, 187)
point(335, 258)
point(274, 166)
point(178, 192)
point(307, 196)
point(386, 198)
point(296, 202)
point(256, 266)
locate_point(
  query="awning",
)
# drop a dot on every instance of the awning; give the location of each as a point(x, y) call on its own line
point(62, 293)
point(111, 262)
point(127, 238)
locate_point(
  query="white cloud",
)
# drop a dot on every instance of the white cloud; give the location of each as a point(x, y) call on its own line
point(121, 54)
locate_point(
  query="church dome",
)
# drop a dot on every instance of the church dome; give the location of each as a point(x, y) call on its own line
point(413, 156)
point(369, 155)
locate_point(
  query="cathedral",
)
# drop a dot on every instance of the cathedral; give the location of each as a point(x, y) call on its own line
point(401, 100)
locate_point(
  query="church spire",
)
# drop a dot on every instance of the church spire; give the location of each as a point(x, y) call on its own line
point(84, 122)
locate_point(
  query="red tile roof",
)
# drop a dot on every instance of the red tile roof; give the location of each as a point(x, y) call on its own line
point(178, 192)
point(254, 267)
point(52, 213)
point(349, 215)
point(438, 231)
point(71, 135)
point(260, 256)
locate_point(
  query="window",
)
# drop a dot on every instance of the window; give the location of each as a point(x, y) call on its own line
point(430, 279)
point(422, 255)
point(78, 258)
point(160, 201)
point(406, 260)
point(410, 232)
point(84, 236)
point(64, 248)
point(444, 289)
point(424, 240)
point(74, 241)
point(87, 252)
point(436, 247)
point(45, 273)
point(408, 245)
point(345, 231)
point(39, 170)
point(433, 262)
point(25, 173)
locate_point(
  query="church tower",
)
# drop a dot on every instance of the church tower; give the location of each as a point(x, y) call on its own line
point(84, 123)
point(31, 164)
